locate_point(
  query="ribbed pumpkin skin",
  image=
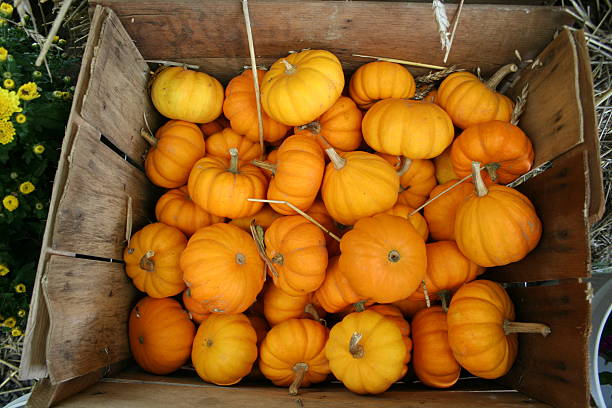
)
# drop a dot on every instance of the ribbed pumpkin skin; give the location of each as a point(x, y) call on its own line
point(365, 186)
point(179, 145)
point(180, 93)
point(447, 269)
point(444, 167)
point(410, 307)
point(299, 173)
point(220, 192)
point(224, 349)
point(319, 212)
point(297, 249)
point(383, 258)
point(290, 342)
point(493, 142)
point(380, 80)
point(340, 125)
point(498, 228)
point(215, 126)
point(279, 306)
point(288, 96)
point(222, 268)
point(414, 129)
point(476, 335)
point(219, 144)
point(176, 209)
point(395, 315)
point(264, 218)
point(468, 101)
point(417, 220)
point(432, 357)
point(165, 277)
point(197, 312)
point(335, 294)
point(440, 213)
point(384, 351)
point(417, 183)
point(160, 335)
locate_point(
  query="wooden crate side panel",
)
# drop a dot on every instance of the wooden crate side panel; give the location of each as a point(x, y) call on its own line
point(554, 369)
point(83, 338)
point(214, 28)
point(92, 213)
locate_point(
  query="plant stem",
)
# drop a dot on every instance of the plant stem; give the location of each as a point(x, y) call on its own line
point(152, 140)
point(501, 73)
point(359, 306)
point(311, 310)
point(518, 327)
point(479, 185)
point(445, 298)
point(313, 127)
point(399, 61)
point(426, 203)
point(265, 165)
point(355, 348)
point(339, 161)
point(289, 68)
point(233, 168)
point(300, 370)
point(426, 294)
point(146, 262)
point(405, 166)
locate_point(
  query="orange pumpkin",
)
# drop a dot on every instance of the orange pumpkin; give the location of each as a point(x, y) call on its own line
point(416, 182)
point(444, 167)
point(222, 187)
point(496, 225)
point(219, 144)
point(440, 213)
point(414, 129)
point(152, 260)
point(432, 357)
point(482, 331)
point(340, 125)
point(319, 212)
point(241, 109)
point(395, 315)
point(224, 349)
point(431, 96)
point(380, 80)
point(293, 353)
point(215, 126)
point(222, 268)
point(160, 335)
point(297, 250)
point(297, 174)
point(176, 209)
point(279, 306)
point(500, 145)
point(416, 219)
point(176, 147)
point(271, 158)
point(383, 258)
point(197, 312)
point(264, 218)
point(335, 294)
point(468, 101)
point(409, 307)
point(358, 184)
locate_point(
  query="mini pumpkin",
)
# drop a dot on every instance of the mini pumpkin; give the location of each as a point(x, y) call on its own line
point(444, 167)
point(395, 315)
point(160, 335)
point(176, 147)
point(319, 212)
point(335, 294)
point(197, 312)
point(279, 306)
point(264, 218)
point(417, 179)
point(152, 260)
point(215, 126)
point(416, 219)
point(380, 80)
point(409, 307)
point(219, 144)
point(441, 212)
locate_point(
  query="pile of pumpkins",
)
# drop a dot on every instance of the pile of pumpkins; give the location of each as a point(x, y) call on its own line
point(350, 259)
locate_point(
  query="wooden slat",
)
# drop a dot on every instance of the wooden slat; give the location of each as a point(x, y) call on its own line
point(560, 200)
point(89, 303)
point(91, 216)
point(117, 98)
point(554, 369)
point(214, 28)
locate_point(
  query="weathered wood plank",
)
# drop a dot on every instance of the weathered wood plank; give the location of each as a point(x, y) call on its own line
point(91, 215)
point(89, 303)
point(554, 369)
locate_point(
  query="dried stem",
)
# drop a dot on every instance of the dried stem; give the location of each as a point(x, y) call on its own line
point(452, 36)
point(339, 161)
point(445, 298)
point(311, 310)
point(265, 165)
point(258, 236)
point(442, 21)
point(501, 73)
point(518, 327)
point(479, 185)
point(519, 106)
point(355, 348)
point(289, 68)
point(426, 203)
point(426, 293)
point(434, 77)
point(54, 29)
point(146, 262)
point(406, 163)
point(300, 370)
point(152, 140)
point(399, 61)
point(233, 168)
point(313, 127)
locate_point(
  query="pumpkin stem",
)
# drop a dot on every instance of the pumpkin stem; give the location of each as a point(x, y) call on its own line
point(146, 262)
point(501, 73)
point(393, 256)
point(289, 68)
point(240, 258)
point(313, 127)
point(152, 140)
point(300, 370)
point(278, 259)
point(355, 348)
point(359, 306)
point(265, 165)
point(518, 327)
point(445, 298)
point(257, 233)
point(141, 339)
point(339, 161)
point(492, 170)
point(311, 310)
point(479, 185)
point(233, 168)
point(406, 163)
point(426, 294)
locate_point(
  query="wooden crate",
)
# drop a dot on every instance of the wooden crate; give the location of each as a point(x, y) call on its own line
point(77, 328)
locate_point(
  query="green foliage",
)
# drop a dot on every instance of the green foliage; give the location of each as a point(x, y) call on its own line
point(30, 155)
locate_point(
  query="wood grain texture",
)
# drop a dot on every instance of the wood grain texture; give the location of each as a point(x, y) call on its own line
point(554, 369)
point(91, 215)
point(89, 304)
point(215, 29)
point(559, 197)
point(117, 95)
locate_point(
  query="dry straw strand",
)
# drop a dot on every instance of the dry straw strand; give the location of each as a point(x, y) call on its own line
point(519, 106)
point(443, 24)
point(452, 37)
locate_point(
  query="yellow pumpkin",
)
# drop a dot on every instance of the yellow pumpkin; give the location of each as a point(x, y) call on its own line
point(380, 80)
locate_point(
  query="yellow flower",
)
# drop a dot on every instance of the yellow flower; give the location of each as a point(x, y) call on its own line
point(16, 332)
point(7, 131)
point(55, 39)
point(10, 202)
point(38, 149)
point(21, 313)
point(20, 288)
point(28, 91)
point(9, 83)
point(6, 10)
point(4, 270)
point(3, 54)
point(10, 322)
point(39, 206)
point(57, 94)
point(26, 187)
point(3, 22)
point(20, 118)
point(66, 95)
point(9, 103)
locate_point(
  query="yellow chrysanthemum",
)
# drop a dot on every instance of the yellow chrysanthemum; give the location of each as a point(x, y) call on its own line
point(20, 288)
point(38, 149)
point(26, 187)
point(6, 10)
point(21, 313)
point(57, 94)
point(10, 322)
point(4, 270)
point(39, 206)
point(20, 118)
point(28, 91)
point(10, 202)
point(9, 103)
point(8, 83)
point(3, 54)
point(7, 131)
point(16, 332)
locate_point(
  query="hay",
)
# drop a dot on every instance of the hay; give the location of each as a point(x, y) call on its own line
point(10, 356)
